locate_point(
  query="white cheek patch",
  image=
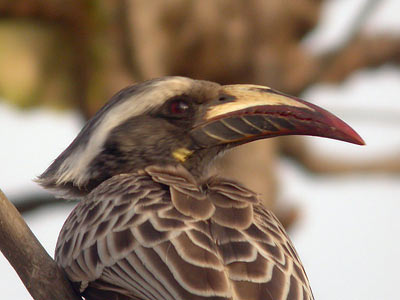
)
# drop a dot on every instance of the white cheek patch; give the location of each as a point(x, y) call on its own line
point(75, 167)
point(249, 96)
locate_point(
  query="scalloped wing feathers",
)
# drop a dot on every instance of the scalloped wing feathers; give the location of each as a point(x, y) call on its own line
point(161, 235)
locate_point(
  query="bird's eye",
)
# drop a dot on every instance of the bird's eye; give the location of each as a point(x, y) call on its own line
point(178, 107)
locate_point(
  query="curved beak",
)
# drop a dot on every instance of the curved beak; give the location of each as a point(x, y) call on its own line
point(245, 113)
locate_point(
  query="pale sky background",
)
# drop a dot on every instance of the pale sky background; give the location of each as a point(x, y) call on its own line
point(348, 235)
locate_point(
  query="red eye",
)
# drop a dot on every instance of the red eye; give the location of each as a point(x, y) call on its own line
point(178, 107)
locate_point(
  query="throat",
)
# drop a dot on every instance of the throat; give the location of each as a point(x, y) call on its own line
point(200, 163)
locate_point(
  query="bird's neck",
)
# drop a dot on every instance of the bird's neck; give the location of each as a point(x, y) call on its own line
point(200, 164)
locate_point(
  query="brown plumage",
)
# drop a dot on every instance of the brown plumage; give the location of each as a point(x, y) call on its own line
point(162, 235)
point(152, 224)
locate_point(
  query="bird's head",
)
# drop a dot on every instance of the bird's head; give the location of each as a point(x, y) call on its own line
point(177, 120)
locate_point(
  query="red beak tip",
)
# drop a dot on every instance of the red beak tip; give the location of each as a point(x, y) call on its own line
point(352, 136)
point(349, 134)
point(360, 141)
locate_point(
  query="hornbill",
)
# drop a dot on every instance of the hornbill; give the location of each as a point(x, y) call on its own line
point(152, 224)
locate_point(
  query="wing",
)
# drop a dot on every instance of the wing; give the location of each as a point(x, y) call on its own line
point(286, 278)
point(161, 235)
point(106, 231)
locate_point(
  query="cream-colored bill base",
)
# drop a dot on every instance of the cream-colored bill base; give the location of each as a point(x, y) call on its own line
point(248, 95)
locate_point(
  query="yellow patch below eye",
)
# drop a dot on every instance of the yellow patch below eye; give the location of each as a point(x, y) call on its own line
point(181, 154)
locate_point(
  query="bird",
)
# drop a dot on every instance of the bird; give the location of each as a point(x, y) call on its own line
point(152, 222)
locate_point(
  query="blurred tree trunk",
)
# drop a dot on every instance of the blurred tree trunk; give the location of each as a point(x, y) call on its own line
point(42, 277)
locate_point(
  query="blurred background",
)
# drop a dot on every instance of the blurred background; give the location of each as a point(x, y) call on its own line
point(61, 60)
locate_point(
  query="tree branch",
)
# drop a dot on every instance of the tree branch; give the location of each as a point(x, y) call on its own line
point(363, 52)
point(357, 51)
point(28, 203)
point(298, 149)
point(38, 271)
point(359, 21)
